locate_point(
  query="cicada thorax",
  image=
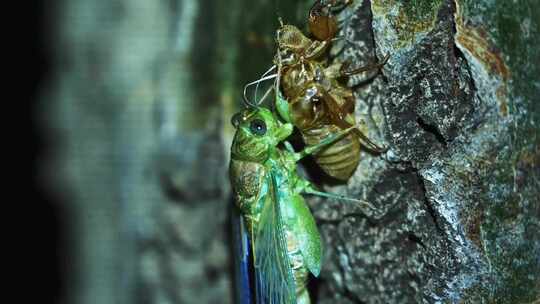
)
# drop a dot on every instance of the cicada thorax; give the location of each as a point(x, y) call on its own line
point(247, 180)
point(296, 77)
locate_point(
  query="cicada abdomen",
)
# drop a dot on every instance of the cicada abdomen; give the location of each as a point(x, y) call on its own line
point(338, 160)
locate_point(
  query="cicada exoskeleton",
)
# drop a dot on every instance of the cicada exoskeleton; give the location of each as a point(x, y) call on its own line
point(319, 104)
point(322, 22)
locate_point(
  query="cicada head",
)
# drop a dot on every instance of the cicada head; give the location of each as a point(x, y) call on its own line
point(291, 44)
point(289, 37)
point(294, 47)
point(257, 132)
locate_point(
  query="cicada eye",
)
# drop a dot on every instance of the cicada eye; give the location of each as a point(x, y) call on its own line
point(257, 127)
point(235, 120)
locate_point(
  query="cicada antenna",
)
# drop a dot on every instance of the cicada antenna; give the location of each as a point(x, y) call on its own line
point(265, 95)
point(257, 86)
point(263, 78)
point(247, 103)
point(246, 100)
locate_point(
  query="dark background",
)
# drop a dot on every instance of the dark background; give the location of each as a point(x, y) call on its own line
point(47, 221)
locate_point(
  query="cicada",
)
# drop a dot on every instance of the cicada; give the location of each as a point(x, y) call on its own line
point(283, 243)
point(318, 103)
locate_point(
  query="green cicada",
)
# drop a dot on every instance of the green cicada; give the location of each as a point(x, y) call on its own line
point(284, 240)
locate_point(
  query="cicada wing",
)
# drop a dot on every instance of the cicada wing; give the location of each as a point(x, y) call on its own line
point(306, 232)
point(243, 266)
point(273, 273)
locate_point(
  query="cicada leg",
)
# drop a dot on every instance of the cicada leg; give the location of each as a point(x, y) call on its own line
point(369, 144)
point(370, 67)
point(288, 146)
point(323, 144)
point(366, 207)
point(311, 190)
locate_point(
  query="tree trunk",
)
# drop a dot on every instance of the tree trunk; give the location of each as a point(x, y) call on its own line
point(142, 99)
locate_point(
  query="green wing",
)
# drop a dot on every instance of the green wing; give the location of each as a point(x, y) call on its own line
point(274, 277)
point(305, 230)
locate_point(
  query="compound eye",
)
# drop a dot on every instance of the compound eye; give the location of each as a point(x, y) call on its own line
point(257, 127)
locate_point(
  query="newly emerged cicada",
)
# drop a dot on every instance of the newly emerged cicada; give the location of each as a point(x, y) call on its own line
point(279, 236)
point(318, 103)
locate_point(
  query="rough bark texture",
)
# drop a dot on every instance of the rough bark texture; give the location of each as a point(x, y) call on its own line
point(460, 182)
point(142, 98)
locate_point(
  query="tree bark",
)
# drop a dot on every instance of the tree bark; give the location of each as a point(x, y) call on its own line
point(142, 98)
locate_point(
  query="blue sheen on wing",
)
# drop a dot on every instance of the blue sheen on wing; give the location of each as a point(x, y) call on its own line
point(244, 292)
